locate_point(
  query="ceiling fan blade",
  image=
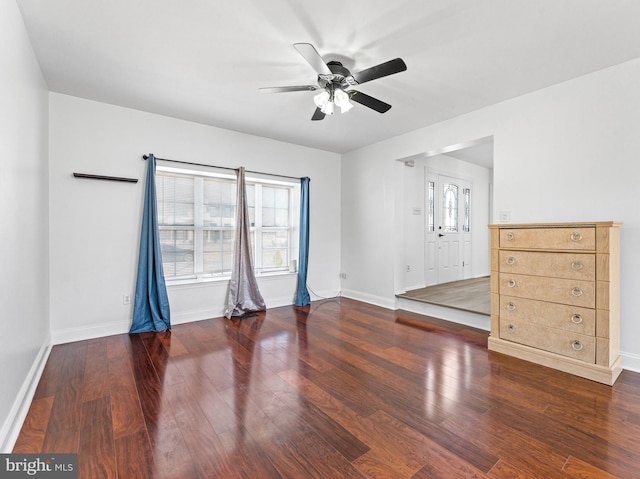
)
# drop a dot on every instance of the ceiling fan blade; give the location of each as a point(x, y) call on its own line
point(312, 56)
point(318, 115)
point(369, 101)
point(283, 89)
point(379, 71)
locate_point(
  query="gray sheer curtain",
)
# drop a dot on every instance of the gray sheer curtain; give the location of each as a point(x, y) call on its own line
point(244, 295)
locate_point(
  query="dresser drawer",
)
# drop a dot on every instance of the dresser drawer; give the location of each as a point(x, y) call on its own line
point(559, 316)
point(566, 343)
point(555, 290)
point(558, 265)
point(579, 238)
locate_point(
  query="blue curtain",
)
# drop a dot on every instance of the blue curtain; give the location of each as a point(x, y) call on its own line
point(302, 295)
point(151, 305)
point(244, 295)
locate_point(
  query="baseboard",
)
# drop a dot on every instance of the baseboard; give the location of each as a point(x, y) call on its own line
point(322, 295)
point(369, 298)
point(70, 335)
point(630, 362)
point(12, 425)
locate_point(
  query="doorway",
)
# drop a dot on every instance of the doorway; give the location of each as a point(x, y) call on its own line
point(463, 252)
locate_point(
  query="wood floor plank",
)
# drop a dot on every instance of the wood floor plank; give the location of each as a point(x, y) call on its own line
point(96, 451)
point(34, 428)
point(508, 444)
point(134, 456)
point(96, 369)
point(311, 456)
point(583, 470)
point(375, 464)
point(628, 385)
point(597, 422)
point(50, 379)
point(63, 429)
point(200, 439)
point(503, 470)
point(250, 459)
point(339, 389)
point(126, 411)
point(216, 410)
point(414, 451)
point(333, 433)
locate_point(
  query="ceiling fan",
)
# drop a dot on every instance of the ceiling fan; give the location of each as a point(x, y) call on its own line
point(335, 82)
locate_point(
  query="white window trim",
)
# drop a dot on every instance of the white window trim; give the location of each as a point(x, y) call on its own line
point(294, 229)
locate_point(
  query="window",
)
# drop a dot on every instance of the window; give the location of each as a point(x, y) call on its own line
point(431, 207)
point(450, 208)
point(197, 221)
point(466, 227)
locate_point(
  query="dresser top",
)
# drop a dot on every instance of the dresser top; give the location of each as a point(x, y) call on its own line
point(583, 224)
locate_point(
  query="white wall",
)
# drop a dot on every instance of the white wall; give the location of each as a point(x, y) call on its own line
point(95, 225)
point(565, 153)
point(24, 282)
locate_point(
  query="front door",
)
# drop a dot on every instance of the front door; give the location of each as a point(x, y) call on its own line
point(448, 233)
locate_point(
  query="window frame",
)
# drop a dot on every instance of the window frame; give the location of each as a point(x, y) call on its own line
point(256, 226)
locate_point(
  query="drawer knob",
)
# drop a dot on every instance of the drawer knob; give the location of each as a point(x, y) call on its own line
point(511, 306)
point(510, 236)
point(576, 236)
point(511, 328)
point(511, 260)
point(577, 292)
point(511, 283)
point(576, 319)
point(577, 345)
point(577, 265)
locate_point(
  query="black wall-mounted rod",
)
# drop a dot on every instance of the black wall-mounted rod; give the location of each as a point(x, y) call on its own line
point(144, 157)
point(107, 178)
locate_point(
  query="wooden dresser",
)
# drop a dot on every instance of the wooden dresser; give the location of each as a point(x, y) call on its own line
point(555, 296)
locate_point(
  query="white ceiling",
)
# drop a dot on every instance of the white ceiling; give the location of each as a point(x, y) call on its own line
point(204, 60)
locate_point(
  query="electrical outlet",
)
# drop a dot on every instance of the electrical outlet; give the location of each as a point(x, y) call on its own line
point(408, 269)
point(343, 275)
point(505, 216)
point(126, 299)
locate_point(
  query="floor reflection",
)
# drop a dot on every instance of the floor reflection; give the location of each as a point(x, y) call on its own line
point(242, 336)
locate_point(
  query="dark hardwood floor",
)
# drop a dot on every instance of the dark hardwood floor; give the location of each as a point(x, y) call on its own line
point(340, 389)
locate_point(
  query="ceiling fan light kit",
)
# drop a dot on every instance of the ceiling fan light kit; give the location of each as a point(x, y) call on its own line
point(331, 95)
point(335, 82)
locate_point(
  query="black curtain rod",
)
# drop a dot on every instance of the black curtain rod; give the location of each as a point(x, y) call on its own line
point(103, 177)
point(144, 157)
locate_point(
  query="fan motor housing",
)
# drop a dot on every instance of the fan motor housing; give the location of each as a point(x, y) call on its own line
point(338, 69)
point(339, 76)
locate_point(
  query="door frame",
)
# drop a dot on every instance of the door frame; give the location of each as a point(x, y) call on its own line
point(432, 273)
